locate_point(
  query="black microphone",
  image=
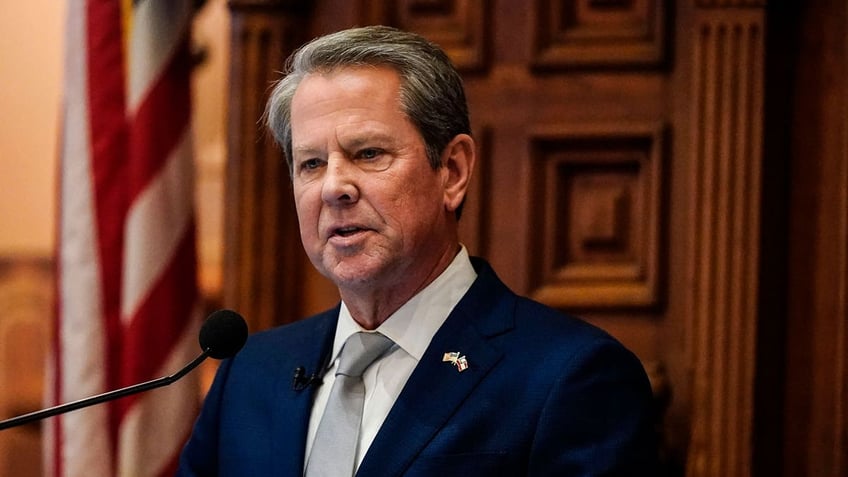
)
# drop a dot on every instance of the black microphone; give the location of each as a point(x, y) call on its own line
point(222, 336)
point(301, 381)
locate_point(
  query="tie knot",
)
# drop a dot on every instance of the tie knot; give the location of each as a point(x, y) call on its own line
point(360, 350)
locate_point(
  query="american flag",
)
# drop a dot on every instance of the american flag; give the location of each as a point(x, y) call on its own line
point(127, 290)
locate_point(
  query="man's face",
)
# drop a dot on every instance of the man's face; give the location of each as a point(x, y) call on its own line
point(371, 209)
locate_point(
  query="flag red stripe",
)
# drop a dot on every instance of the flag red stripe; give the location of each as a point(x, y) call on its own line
point(107, 119)
point(160, 322)
point(161, 120)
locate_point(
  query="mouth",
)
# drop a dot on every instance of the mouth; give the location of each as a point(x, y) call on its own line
point(346, 231)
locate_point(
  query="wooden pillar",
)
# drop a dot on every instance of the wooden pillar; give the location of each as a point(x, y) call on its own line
point(727, 131)
point(263, 258)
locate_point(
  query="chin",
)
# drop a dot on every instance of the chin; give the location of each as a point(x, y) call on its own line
point(353, 272)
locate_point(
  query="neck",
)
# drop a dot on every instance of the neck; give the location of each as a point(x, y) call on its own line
point(370, 306)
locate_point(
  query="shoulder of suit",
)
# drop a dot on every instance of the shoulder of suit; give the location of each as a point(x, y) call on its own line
point(553, 322)
point(295, 333)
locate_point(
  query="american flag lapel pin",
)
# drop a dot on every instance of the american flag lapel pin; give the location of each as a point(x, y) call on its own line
point(454, 357)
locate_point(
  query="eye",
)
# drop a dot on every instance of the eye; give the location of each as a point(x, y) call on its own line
point(373, 159)
point(310, 164)
point(369, 153)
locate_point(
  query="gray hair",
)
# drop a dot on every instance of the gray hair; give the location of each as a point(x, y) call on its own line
point(431, 91)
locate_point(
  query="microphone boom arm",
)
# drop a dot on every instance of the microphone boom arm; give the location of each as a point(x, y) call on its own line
point(107, 396)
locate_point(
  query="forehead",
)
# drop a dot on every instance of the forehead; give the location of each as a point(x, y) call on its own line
point(347, 86)
point(358, 101)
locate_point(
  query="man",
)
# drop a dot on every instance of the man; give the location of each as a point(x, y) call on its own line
point(475, 381)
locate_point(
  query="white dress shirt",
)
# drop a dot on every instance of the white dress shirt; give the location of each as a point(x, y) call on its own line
point(412, 328)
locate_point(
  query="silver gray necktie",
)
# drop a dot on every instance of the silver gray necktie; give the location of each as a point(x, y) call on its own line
point(333, 452)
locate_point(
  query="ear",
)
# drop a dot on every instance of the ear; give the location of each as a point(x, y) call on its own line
point(458, 160)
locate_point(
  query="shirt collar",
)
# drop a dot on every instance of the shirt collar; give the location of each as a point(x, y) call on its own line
point(414, 324)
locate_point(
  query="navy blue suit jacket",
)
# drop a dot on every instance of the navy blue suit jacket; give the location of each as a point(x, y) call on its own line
point(544, 395)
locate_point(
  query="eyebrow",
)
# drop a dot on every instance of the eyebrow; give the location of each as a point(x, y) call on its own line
point(360, 140)
point(306, 150)
point(367, 138)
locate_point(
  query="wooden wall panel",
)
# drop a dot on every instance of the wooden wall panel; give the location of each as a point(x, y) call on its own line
point(461, 27)
point(725, 187)
point(599, 33)
point(595, 236)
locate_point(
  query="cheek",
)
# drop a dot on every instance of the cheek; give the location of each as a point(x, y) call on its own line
point(398, 200)
point(307, 207)
point(416, 206)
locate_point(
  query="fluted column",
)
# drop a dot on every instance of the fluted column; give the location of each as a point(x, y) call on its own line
point(263, 258)
point(727, 141)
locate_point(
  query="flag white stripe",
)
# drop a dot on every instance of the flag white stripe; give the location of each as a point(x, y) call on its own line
point(156, 223)
point(157, 29)
point(85, 435)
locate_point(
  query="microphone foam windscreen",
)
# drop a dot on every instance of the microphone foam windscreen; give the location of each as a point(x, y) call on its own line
point(223, 334)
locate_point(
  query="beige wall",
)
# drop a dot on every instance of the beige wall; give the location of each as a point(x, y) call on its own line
point(30, 76)
point(31, 69)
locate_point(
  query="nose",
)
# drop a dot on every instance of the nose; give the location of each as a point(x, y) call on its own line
point(339, 186)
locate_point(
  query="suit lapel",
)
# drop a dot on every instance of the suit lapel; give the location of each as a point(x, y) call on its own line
point(437, 388)
point(290, 419)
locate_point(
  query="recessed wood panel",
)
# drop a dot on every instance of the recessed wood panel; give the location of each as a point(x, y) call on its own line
point(458, 26)
point(595, 234)
point(599, 33)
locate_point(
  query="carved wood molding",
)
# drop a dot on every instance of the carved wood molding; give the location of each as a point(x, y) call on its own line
point(460, 27)
point(599, 33)
point(605, 252)
point(725, 181)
